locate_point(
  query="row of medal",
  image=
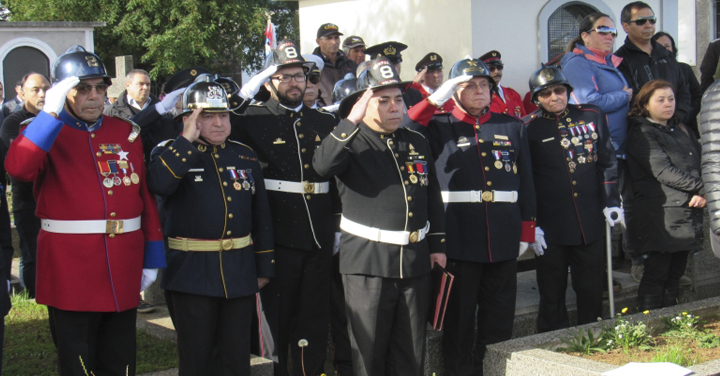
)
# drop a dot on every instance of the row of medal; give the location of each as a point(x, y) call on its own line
point(577, 133)
point(503, 159)
point(248, 182)
point(110, 170)
point(587, 146)
point(419, 167)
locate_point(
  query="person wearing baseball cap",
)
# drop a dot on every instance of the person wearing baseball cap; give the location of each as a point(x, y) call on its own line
point(429, 77)
point(337, 64)
point(354, 48)
point(285, 133)
point(504, 100)
point(393, 229)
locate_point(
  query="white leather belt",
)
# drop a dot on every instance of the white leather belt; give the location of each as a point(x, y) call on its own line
point(92, 226)
point(297, 187)
point(383, 236)
point(480, 196)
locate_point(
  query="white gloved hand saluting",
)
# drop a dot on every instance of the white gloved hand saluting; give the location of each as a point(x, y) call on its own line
point(619, 216)
point(252, 87)
point(447, 89)
point(539, 246)
point(55, 96)
point(148, 277)
point(168, 103)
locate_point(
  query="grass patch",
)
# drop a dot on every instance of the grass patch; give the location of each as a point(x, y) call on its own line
point(29, 349)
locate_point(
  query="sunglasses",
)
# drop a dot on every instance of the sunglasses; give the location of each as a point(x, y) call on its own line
point(314, 78)
point(494, 68)
point(604, 30)
point(285, 78)
point(85, 89)
point(546, 93)
point(641, 20)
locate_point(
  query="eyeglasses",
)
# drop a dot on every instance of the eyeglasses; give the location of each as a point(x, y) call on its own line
point(314, 78)
point(473, 86)
point(641, 20)
point(604, 30)
point(546, 93)
point(493, 68)
point(85, 89)
point(285, 78)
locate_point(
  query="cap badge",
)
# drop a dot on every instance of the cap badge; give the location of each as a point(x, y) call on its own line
point(547, 74)
point(389, 50)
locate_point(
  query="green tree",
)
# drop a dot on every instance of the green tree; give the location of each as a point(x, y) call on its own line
point(165, 36)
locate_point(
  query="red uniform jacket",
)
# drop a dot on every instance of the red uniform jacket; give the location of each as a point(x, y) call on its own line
point(447, 107)
point(69, 163)
point(512, 106)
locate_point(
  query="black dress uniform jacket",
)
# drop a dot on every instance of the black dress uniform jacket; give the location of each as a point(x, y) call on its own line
point(201, 202)
point(573, 184)
point(664, 165)
point(285, 141)
point(467, 150)
point(376, 191)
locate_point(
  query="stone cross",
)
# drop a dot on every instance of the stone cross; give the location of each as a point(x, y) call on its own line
point(123, 65)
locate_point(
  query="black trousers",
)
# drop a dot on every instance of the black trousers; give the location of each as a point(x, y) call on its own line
point(482, 294)
point(99, 342)
point(295, 305)
point(387, 319)
point(662, 272)
point(213, 334)
point(342, 356)
point(587, 265)
point(28, 228)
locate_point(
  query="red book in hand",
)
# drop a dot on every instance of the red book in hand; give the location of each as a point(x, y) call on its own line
point(442, 282)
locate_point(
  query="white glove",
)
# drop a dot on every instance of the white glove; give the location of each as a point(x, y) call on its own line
point(336, 244)
point(523, 248)
point(252, 87)
point(332, 107)
point(55, 97)
point(168, 103)
point(539, 246)
point(447, 89)
point(620, 214)
point(148, 277)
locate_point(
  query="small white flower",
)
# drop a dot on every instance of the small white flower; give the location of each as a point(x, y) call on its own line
point(303, 343)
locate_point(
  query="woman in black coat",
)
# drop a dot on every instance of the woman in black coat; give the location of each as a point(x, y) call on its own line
point(664, 165)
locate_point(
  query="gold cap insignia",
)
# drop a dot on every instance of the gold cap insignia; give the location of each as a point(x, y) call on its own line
point(433, 57)
point(193, 72)
point(472, 63)
point(389, 50)
point(547, 74)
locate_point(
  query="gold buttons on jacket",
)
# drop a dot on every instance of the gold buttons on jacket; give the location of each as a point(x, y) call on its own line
point(229, 198)
point(110, 192)
point(477, 127)
point(189, 152)
point(409, 198)
point(217, 155)
point(306, 166)
point(407, 182)
point(111, 236)
point(229, 233)
point(99, 154)
point(575, 194)
point(303, 150)
point(307, 197)
point(301, 136)
point(487, 168)
point(224, 184)
point(410, 214)
point(574, 182)
point(480, 140)
point(184, 160)
point(92, 135)
point(390, 143)
point(343, 135)
point(489, 183)
point(298, 124)
point(230, 215)
point(113, 214)
point(220, 169)
point(484, 154)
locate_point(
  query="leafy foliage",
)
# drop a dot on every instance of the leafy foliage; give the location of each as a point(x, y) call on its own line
point(165, 36)
point(585, 344)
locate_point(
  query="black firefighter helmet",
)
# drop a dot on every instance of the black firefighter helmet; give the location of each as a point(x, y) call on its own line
point(232, 89)
point(471, 67)
point(287, 55)
point(204, 93)
point(545, 77)
point(77, 62)
point(380, 74)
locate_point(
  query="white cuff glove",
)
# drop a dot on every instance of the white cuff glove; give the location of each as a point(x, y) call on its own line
point(332, 108)
point(55, 97)
point(539, 246)
point(336, 244)
point(148, 277)
point(252, 87)
point(523, 248)
point(447, 89)
point(619, 214)
point(168, 103)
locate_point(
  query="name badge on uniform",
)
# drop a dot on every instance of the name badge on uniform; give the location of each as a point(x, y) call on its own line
point(196, 170)
point(462, 142)
point(501, 137)
point(548, 139)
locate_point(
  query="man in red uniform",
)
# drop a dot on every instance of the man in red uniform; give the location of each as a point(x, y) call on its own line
point(504, 100)
point(428, 79)
point(100, 242)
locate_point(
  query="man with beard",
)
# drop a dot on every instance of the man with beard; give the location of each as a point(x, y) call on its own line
point(504, 100)
point(285, 133)
point(575, 172)
point(32, 93)
point(135, 98)
point(484, 169)
point(100, 242)
point(428, 79)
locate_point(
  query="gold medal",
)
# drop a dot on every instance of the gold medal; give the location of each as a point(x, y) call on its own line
point(246, 185)
point(594, 136)
point(565, 143)
point(581, 159)
point(108, 183)
point(572, 165)
point(126, 180)
point(413, 179)
point(237, 186)
point(135, 178)
point(498, 165)
point(514, 168)
point(575, 141)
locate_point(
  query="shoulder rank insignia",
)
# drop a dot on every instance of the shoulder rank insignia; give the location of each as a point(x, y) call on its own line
point(134, 133)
